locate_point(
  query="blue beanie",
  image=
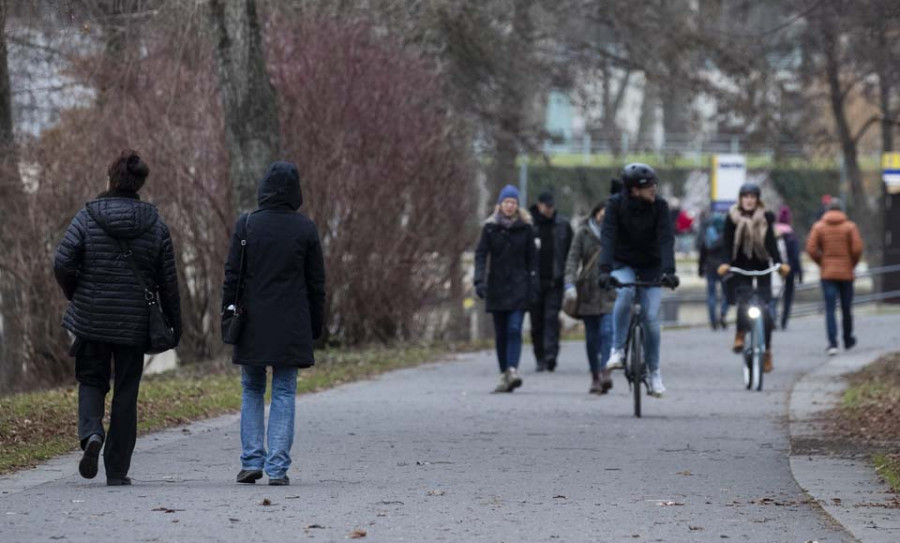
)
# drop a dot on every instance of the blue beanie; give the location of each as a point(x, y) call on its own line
point(509, 191)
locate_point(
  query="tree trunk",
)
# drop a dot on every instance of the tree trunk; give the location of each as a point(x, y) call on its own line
point(12, 337)
point(248, 98)
point(864, 213)
point(885, 89)
point(647, 123)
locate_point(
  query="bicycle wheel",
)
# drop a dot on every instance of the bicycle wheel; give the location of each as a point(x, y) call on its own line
point(759, 349)
point(636, 366)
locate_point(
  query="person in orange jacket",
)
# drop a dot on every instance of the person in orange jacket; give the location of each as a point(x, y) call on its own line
point(836, 246)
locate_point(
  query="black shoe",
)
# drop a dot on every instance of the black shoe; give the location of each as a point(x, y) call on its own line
point(850, 343)
point(283, 481)
point(723, 324)
point(540, 368)
point(88, 465)
point(551, 365)
point(249, 476)
point(118, 481)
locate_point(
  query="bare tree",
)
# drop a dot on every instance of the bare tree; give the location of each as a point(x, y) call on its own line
point(248, 98)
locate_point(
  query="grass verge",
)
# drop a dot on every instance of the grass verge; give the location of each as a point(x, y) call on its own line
point(37, 426)
point(868, 415)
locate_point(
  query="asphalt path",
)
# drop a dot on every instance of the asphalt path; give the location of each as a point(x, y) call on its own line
point(428, 454)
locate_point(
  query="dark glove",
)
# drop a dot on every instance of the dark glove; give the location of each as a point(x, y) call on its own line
point(480, 291)
point(606, 281)
point(670, 280)
point(701, 272)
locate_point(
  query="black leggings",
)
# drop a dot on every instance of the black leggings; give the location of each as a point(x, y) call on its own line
point(740, 290)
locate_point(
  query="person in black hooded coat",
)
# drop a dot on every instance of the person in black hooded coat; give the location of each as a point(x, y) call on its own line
point(108, 313)
point(282, 304)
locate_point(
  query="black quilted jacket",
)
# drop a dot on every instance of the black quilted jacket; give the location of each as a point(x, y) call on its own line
point(106, 302)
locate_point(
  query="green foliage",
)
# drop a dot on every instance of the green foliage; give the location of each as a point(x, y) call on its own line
point(888, 467)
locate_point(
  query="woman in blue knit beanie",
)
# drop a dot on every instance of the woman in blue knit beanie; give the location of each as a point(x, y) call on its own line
point(509, 283)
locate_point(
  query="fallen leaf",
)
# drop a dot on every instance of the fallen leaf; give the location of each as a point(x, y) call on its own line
point(233, 519)
point(166, 509)
point(560, 497)
point(266, 502)
point(436, 492)
point(315, 527)
point(695, 528)
point(291, 497)
point(358, 534)
point(668, 503)
point(685, 473)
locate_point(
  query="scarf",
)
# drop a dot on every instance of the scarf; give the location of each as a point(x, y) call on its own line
point(750, 232)
point(595, 228)
point(506, 222)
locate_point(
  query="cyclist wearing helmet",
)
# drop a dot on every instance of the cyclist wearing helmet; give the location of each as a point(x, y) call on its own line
point(750, 245)
point(637, 244)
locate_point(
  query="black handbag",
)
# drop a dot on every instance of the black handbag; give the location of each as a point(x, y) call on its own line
point(160, 335)
point(233, 319)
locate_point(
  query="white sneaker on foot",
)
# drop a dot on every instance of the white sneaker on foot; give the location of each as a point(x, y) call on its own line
point(616, 359)
point(513, 378)
point(831, 351)
point(657, 389)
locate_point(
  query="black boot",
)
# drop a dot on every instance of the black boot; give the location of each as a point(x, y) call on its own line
point(88, 465)
point(249, 476)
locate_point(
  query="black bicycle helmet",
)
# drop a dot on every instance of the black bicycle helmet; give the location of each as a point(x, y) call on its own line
point(749, 188)
point(638, 175)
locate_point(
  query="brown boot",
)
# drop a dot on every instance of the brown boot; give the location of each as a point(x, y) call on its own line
point(738, 342)
point(767, 362)
point(596, 384)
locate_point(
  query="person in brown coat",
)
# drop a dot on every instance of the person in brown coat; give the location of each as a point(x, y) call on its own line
point(836, 246)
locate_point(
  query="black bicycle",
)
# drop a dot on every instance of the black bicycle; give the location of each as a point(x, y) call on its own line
point(635, 363)
point(755, 344)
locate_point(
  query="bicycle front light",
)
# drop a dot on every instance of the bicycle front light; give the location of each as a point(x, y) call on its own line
point(754, 312)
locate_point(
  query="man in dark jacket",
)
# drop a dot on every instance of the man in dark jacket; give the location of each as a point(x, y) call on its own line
point(283, 307)
point(638, 244)
point(108, 311)
point(553, 236)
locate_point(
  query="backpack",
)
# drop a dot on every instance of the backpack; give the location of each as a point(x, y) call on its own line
point(712, 236)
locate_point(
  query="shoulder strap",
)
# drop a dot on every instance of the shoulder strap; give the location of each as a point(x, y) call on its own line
point(240, 285)
point(127, 254)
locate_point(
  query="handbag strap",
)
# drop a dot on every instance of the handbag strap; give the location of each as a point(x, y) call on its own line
point(241, 268)
point(585, 271)
point(127, 254)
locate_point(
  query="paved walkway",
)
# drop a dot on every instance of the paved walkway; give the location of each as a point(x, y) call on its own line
point(428, 455)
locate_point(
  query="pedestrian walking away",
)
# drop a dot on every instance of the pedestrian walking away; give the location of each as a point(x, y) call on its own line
point(553, 236)
point(836, 246)
point(281, 303)
point(506, 278)
point(116, 266)
point(712, 253)
point(593, 305)
point(750, 245)
point(789, 247)
point(638, 244)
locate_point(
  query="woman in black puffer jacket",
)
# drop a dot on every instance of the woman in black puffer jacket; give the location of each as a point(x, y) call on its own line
point(506, 276)
point(108, 312)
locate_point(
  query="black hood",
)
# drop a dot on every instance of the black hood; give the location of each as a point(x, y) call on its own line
point(280, 187)
point(123, 217)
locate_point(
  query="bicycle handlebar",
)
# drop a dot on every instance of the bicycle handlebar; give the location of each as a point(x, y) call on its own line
point(754, 273)
point(639, 284)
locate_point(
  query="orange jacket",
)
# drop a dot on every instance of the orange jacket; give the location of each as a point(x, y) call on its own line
point(835, 245)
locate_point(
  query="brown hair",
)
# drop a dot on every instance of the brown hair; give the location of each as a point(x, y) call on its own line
point(127, 172)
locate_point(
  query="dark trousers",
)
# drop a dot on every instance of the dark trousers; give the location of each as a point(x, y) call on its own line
point(788, 296)
point(713, 284)
point(508, 338)
point(545, 325)
point(834, 290)
point(93, 367)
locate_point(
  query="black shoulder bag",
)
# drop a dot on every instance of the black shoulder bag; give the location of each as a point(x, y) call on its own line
point(233, 319)
point(160, 335)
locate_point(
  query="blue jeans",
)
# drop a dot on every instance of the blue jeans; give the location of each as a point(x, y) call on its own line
point(281, 420)
point(598, 340)
point(508, 337)
point(832, 291)
point(651, 300)
point(712, 280)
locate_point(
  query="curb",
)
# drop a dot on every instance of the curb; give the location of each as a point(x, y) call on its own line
point(846, 488)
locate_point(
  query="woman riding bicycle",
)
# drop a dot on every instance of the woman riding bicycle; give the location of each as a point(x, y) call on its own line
point(750, 244)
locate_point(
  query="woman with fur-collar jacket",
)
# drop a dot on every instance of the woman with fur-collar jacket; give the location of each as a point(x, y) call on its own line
point(750, 245)
point(506, 278)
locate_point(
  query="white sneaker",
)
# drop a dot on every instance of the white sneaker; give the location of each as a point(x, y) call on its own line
point(831, 351)
point(513, 378)
point(616, 359)
point(657, 389)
